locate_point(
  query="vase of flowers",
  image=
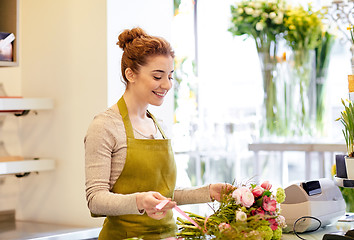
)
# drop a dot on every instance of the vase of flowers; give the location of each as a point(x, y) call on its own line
point(245, 212)
point(264, 22)
point(304, 26)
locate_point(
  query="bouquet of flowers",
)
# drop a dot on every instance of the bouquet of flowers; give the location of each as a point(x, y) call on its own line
point(245, 212)
point(263, 20)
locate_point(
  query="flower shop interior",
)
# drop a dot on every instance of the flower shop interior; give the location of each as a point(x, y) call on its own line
point(261, 92)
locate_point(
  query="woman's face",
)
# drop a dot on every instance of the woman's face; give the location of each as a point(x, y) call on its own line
point(151, 84)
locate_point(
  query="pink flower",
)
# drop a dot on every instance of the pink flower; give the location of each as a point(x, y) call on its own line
point(259, 211)
point(223, 226)
point(243, 196)
point(273, 223)
point(257, 191)
point(269, 204)
point(266, 185)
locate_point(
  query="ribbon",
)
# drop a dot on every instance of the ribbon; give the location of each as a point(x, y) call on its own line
point(186, 216)
point(164, 202)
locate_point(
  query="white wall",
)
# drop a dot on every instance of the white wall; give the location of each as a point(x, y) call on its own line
point(155, 17)
point(63, 55)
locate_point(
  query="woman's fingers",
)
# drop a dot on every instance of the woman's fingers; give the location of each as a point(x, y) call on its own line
point(154, 204)
point(158, 215)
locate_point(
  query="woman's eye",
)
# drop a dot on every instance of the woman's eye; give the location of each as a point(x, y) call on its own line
point(157, 78)
point(171, 78)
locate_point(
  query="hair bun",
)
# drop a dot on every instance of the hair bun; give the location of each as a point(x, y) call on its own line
point(127, 36)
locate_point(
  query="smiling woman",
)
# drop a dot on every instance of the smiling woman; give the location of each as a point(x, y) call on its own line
point(130, 166)
point(152, 82)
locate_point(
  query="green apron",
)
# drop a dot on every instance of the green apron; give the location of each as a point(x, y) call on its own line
point(149, 166)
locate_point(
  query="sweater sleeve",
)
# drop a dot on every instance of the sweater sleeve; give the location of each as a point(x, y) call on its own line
point(192, 195)
point(101, 145)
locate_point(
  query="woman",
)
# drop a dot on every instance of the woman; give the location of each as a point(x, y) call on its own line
point(129, 161)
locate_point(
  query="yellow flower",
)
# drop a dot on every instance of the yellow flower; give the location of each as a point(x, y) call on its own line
point(333, 170)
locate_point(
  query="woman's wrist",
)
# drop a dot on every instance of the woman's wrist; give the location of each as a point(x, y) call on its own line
point(141, 210)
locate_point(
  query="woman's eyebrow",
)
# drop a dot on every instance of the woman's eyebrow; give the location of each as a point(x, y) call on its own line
point(157, 70)
point(161, 71)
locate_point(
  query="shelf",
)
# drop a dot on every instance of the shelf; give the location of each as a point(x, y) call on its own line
point(13, 104)
point(343, 182)
point(8, 64)
point(26, 166)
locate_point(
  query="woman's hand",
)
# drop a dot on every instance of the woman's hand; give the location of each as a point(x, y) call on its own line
point(218, 188)
point(148, 200)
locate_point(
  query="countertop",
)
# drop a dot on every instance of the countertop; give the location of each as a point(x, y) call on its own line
point(339, 228)
point(25, 230)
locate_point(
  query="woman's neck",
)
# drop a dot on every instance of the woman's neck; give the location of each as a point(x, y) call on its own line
point(134, 106)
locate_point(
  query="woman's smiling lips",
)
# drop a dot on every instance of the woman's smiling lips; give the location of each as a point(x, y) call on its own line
point(160, 94)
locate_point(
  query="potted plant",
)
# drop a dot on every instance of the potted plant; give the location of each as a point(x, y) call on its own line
point(347, 119)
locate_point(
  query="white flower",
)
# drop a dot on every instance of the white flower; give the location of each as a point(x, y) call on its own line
point(278, 20)
point(259, 26)
point(265, 15)
point(280, 14)
point(257, 5)
point(281, 221)
point(241, 216)
point(256, 13)
point(249, 11)
point(240, 10)
point(272, 15)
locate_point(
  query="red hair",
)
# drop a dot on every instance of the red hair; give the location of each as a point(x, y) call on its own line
point(137, 46)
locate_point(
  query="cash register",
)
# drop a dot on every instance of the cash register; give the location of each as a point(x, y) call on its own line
point(314, 204)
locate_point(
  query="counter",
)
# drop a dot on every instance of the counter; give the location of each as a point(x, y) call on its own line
point(318, 235)
point(21, 230)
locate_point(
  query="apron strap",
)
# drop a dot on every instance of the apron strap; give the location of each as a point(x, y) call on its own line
point(127, 124)
point(157, 124)
point(124, 112)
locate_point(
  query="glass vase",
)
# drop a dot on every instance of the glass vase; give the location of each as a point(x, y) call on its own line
point(271, 123)
point(302, 75)
point(277, 86)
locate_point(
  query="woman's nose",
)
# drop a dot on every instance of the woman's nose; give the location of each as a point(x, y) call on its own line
point(167, 83)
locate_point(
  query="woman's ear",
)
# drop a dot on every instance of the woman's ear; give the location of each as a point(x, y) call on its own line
point(129, 74)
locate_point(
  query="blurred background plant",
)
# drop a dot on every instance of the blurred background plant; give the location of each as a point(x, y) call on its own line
point(351, 30)
point(304, 28)
point(322, 56)
point(264, 22)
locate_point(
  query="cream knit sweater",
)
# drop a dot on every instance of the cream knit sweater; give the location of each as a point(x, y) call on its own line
point(105, 153)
